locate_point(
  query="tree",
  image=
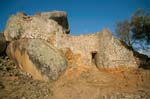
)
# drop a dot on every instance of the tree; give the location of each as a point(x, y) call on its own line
point(140, 25)
point(136, 30)
point(123, 29)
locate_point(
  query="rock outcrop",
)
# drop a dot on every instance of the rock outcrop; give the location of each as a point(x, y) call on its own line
point(36, 42)
point(39, 27)
point(59, 16)
point(37, 57)
point(2, 44)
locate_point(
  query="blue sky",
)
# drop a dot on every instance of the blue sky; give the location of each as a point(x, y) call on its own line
point(84, 16)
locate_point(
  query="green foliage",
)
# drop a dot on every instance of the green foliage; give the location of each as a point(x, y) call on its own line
point(135, 29)
point(140, 24)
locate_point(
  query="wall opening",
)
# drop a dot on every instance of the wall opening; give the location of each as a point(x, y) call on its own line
point(93, 56)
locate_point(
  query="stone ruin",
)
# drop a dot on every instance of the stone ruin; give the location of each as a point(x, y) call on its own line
point(42, 46)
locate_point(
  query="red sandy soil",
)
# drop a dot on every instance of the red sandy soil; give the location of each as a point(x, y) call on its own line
point(78, 82)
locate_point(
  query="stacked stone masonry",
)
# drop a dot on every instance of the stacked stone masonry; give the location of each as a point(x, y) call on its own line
point(101, 49)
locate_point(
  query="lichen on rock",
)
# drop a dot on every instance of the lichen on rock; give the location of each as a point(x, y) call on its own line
point(37, 57)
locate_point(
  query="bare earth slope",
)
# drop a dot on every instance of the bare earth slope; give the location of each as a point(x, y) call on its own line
point(78, 82)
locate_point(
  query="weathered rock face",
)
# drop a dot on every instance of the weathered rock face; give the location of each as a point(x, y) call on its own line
point(37, 57)
point(2, 44)
point(114, 53)
point(59, 16)
point(41, 26)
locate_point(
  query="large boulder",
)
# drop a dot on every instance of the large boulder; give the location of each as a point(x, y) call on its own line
point(38, 58)
point(2, 44)
point(59, 16)
point(114, 53)
point(37, 26)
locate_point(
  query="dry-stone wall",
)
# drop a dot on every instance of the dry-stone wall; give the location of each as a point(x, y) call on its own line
point(84, 45)
point(51, 29)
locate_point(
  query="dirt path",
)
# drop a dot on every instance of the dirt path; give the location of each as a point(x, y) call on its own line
point(89, 83)
point(78, 82)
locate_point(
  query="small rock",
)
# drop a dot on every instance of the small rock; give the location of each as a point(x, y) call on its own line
point(2, 86)
point(23, 98)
